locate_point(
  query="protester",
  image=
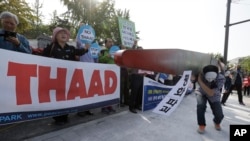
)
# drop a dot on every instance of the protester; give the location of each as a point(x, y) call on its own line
point(84, 58)
point(237, 81)
point(136, 86)
point(9, 39)
point(246, 85)
point(124, 84)
point(210, 82)
point(61, 50)
point(227, 86)
point(106, 58)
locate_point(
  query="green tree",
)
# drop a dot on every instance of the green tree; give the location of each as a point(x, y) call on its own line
point(37, 26)
point(60, 21)
point(38, 6)
point(245, 64)
point(102, 16)
point(22, 10)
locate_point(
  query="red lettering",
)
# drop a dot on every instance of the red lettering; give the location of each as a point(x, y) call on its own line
point(77, 86)
point(45, 84)
point(109, 77)
point(22, 72)
point(95, 86)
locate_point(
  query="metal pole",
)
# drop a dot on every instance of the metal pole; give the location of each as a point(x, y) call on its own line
point(227, 31)
point(239, 22)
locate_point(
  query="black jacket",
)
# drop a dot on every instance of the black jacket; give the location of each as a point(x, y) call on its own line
point(69, 52)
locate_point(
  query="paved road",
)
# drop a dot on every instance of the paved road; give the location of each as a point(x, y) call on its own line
point(147, 126)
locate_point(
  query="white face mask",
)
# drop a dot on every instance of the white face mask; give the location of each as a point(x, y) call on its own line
point(210, 76)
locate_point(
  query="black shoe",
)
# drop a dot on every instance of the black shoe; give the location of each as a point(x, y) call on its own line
point(81, 114)
point(105, 111)
point(241, 103)
point(89, 113)
point(60, 123)
point(223, 104)
point(132, 110)
point(110, 109)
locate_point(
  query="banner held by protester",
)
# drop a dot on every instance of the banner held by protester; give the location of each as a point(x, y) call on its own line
point(34, 87)
point(175, 96)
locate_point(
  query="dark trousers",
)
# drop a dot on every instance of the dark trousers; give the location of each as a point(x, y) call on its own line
point(246, 90)
point(201, 109)
point(239, 92)
point(61, 118)
point(136, 90)
point(238, 88)
point(124, 90)
point(225, 97)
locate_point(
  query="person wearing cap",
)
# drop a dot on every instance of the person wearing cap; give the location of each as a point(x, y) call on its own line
point(210, 82)
point(227, 86)
point(9, 39)
point(59, 49)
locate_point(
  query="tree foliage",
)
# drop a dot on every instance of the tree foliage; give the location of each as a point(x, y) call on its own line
point(22, 10)
point(245, 64)
point(37, 26)
point(37, 10)
point(102, 16)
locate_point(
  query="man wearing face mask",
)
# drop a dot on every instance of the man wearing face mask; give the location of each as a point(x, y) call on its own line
point(210, 82)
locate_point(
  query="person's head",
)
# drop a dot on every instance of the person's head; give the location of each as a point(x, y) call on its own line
point(60, 35)
point(108, 43)
point(9, 21)
point(210, 72)
point(238, 67)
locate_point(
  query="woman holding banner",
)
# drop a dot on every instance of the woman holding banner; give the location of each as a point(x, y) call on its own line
point(61, 50)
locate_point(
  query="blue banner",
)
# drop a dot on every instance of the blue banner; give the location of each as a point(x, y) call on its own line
point(153, 93)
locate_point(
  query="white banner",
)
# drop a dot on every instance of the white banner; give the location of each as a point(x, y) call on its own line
point(175, 96)
point(31, 83)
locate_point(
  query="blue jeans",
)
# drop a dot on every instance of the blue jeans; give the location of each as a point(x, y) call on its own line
point(201, 109)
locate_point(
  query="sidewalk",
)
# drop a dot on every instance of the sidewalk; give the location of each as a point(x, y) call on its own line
point(29, 129)
point(148, 126)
